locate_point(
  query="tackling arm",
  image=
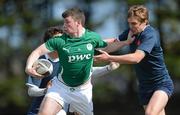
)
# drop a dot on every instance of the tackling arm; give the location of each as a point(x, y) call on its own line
point(115, 44)
point(132, 58)
point(101, 71)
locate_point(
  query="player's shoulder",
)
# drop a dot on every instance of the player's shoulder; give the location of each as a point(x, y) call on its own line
point(151, 36)
point(58, 37)
point(149, 30)
point(90, 32)
point(56, 41)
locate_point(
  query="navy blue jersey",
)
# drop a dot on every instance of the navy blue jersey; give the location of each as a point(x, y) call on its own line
point(41, 83)
point(152, 69)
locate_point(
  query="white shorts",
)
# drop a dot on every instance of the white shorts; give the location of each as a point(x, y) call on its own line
point(79, 98)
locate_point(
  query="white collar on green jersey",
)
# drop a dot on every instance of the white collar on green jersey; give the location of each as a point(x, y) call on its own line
point(80, 35)
point(83, 31)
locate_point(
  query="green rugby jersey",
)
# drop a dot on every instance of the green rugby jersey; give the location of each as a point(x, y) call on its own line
point(76, 55)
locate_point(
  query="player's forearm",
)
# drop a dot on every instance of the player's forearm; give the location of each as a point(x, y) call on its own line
point(35, 55)
point(124, 59)
point(114, 46)
point(31, 59)
point(132, 58)
point(110, 40)
point(41, 50)
point(35, 91)
point(100, 71)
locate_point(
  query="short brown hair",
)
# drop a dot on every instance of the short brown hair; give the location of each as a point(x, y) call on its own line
point(76, 13)
point(140, 12)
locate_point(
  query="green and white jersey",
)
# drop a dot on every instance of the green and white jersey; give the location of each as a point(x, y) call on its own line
point(76, 55)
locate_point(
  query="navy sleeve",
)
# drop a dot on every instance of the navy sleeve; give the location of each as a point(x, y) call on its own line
point(148, 41)
point(33, 81)
point(123, 36)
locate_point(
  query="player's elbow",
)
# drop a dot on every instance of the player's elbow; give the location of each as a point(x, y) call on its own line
point(36, 91)
point(138, 56)
point(41, 50)
point(136, 61)
point(30, 92)
point(33, 91)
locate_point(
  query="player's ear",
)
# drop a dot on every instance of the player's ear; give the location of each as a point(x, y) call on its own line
point(146, 21)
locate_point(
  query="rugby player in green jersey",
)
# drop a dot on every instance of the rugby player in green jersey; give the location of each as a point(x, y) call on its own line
point(75, 50)
point(37, 87)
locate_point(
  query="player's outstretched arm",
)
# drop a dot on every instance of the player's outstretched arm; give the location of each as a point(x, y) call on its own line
point(101, 71)
point(114, 44)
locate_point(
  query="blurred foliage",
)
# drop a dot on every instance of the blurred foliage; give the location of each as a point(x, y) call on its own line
point(132, 2)
point(173, 64)
point(15, 93)
point(173, 59)
point(104, 93)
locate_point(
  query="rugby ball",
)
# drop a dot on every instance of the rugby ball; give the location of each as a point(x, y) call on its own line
point(43, 67)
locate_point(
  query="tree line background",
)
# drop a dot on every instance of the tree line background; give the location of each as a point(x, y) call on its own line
point(23, 22)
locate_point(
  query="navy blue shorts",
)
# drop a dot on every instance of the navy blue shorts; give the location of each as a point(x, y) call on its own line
point(146, 93)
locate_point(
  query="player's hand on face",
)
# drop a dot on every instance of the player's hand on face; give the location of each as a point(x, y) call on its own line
point(32, 72)
point(102, 57)
point(130, 38)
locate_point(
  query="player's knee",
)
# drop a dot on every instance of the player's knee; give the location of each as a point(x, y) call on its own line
point(45, 112)
point(61, 112)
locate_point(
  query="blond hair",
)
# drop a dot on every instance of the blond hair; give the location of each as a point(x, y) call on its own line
point(139, 12)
